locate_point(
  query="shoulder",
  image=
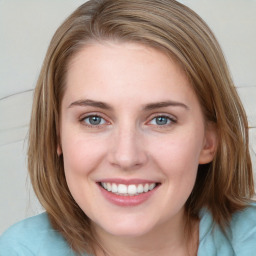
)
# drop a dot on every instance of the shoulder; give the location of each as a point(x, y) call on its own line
point(243, 231)
point(33, 236)
point(239, 239)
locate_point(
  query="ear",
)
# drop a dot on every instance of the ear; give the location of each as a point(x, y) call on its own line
point(59, 150)
point(210, 144)
point(59, 147)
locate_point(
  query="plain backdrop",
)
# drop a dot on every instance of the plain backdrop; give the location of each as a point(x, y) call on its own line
point(26, 28)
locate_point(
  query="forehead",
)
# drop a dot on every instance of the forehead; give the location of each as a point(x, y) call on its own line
point(126, 53)
point(126, 69)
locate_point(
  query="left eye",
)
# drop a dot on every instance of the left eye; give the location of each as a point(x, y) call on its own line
point(161, 120)
point(94, 120)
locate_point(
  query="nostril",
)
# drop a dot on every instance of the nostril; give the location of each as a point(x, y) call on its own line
point(126, 160)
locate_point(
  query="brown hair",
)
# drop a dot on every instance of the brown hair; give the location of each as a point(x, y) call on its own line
point(224, 186)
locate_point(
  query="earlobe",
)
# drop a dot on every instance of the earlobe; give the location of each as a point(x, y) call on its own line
point(59, 147)
point(210, 144)
point(59, 150)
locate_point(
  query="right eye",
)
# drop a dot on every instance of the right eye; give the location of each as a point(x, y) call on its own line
point(93, 121)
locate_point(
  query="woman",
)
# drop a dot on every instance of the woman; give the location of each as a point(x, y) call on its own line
point(138, 140)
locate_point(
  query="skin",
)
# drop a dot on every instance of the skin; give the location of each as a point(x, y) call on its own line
point(129, 144)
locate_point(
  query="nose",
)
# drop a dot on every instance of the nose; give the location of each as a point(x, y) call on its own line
point(127, 149)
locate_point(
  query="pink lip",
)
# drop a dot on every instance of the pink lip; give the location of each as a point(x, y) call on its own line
point(127, 200)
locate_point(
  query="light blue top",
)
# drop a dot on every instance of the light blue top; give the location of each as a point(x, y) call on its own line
point(35, 236)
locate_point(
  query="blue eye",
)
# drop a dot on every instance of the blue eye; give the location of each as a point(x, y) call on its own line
point(162, 120)
point(94, 120)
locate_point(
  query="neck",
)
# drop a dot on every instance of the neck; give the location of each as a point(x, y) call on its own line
point(169, 238)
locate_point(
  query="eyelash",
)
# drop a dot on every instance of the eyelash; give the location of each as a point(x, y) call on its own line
point(171, 120)
point(83, 121)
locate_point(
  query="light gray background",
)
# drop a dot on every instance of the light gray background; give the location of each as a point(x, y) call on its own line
point(26, 28)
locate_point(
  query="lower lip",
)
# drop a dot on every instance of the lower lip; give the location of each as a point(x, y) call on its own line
point(127, 200)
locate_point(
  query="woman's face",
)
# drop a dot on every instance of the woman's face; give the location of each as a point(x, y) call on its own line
point(132, 136)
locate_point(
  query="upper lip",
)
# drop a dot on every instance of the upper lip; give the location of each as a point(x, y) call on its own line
point(127, 181)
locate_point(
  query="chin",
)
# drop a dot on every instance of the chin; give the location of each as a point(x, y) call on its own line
point(126, 228)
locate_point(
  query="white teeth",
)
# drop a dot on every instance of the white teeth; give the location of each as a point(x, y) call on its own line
point(122, 189)
point(128, 190)
point(132, 190)
point(151, 186)
point(140, 189)
point(114, 188)
point(146, 186)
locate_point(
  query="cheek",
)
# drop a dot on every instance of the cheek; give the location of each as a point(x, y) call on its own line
point(178, 156)
point(81, 155)
point(180, 149)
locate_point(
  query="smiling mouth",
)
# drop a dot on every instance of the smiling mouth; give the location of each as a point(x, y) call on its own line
point(128, 190)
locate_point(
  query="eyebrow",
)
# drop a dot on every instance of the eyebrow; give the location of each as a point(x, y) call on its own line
point(92, 103)
point(147, 107)
point(164, 104)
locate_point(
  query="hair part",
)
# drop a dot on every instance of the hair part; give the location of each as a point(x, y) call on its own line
point(223, 186)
